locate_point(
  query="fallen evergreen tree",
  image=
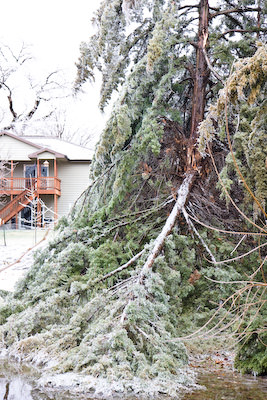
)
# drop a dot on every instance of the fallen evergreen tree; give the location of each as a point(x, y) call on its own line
point(148, 255)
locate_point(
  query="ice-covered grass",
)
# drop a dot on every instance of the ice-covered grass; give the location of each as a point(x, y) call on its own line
point(16, 254)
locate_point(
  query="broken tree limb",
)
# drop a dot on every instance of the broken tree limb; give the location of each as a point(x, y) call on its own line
point(218, 76)
point(182, 195)
point(190, 223)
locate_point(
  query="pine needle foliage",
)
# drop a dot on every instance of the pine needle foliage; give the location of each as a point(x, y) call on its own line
point(243, 102)
point(241, 110)
point(71, 308)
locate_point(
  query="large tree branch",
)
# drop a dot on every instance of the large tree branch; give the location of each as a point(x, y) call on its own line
point(34, 109)
point(190, 224)
point(234, 10)
point(242, 31)
point(189, 6)
point(11, 108)
point(211, 67)
point(182, 195)
point(10, 101)
point(138, 35)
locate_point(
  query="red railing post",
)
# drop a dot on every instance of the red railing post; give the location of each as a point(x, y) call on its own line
point(15, 186)
point(11, 186)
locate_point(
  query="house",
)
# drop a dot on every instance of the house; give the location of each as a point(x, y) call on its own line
point(44, 177)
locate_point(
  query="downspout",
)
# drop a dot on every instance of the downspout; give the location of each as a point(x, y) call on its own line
point(12, 183)
point(55, 195)
point(39, 210)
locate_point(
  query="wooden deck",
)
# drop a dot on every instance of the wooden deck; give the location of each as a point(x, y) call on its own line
point(41, 185)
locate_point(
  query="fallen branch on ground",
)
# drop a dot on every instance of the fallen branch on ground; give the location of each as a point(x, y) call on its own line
point(190, 223)
point(182, 195)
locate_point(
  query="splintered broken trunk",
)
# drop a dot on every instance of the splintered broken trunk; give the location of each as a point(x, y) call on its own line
point(193, 164)
point(200, 78)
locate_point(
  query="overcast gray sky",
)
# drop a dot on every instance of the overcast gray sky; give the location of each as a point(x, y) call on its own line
point(54, 29)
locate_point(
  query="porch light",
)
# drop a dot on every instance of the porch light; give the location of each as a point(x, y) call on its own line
point(46, 163)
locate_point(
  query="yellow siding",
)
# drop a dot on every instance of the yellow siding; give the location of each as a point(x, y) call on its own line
point(48, 199)
point(18, 170)
point(13, 149)
point(74, 180)
point(46, 155)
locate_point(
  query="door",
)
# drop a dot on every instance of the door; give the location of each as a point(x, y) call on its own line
point(44, 174)
point(44, 170)
point(30, 175)
point(26, 216)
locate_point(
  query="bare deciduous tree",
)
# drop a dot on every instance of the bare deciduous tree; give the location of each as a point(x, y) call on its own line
point(26, 97)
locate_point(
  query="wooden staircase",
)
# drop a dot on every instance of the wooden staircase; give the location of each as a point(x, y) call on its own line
point(16, 205)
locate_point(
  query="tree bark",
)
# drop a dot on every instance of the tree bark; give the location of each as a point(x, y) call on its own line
point(7, 392)
point(182, 196)
point(201, 77)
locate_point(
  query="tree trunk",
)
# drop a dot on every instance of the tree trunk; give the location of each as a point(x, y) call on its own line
point(200, 84)
point(7, 392)
point(201, 77)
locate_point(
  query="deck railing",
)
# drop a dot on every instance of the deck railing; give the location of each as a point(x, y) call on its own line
point(41, 184)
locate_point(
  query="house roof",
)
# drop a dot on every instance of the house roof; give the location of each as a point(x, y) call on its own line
point(46, 150)
point(60, 148)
